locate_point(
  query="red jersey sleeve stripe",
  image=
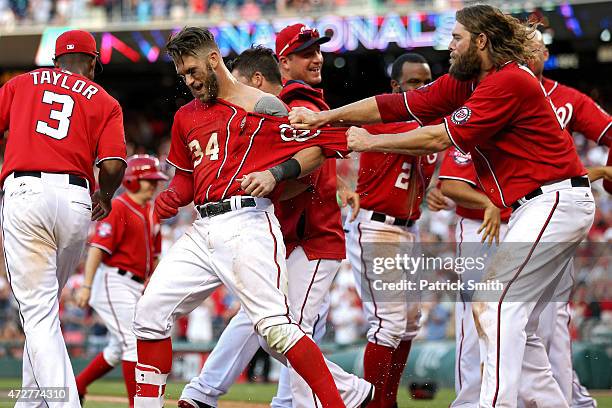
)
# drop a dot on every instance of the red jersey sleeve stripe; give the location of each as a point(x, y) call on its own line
point(178, 167)
point(470, 182)
point(110, 158)
point(409, 111)
point(451, 137)
point(102, 247)
point(608, 140)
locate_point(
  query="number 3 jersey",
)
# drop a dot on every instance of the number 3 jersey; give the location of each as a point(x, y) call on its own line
point(221, 143)
point(394, 184)
point(59, 122)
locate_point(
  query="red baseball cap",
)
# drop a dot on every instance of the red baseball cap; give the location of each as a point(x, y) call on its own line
point(77, 41)
point(297, 37)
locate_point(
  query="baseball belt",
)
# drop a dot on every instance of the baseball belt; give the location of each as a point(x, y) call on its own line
point(221, 207)
point(380, 217)
point(72, 179)
point(133, 277)
point(578, 181)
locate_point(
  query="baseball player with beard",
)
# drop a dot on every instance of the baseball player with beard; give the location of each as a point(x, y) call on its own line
point(123, 252)
point(578, 113)
point(317, 237)
point(391, 188)
point(60, 124)
point(501, 126)
point(220, 146)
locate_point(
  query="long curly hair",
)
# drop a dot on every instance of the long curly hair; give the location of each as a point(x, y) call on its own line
point(507, 37)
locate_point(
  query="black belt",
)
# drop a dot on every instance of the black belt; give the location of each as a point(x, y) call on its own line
point(135, 278)
point(578, 181)
point(380, 217)
point(72, 179)
point(221, 207)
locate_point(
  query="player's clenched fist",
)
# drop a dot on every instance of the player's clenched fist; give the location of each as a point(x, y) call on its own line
point(167, 204)
point(304, 118)
point(258, 184)
point(358, 139)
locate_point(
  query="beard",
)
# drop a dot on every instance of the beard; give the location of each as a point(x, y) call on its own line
point(211, 86)
point(467, 66)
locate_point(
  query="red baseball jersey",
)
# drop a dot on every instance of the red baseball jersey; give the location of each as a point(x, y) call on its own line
point(312, 219)
point(59, 122)
point(459, 166)
point(130, 237)
point(394, 184)
point(579, 113)
point(506, 122)
point(220, 143)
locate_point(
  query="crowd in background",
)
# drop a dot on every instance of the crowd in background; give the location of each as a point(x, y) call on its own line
point(64, 12)
point(84, 333)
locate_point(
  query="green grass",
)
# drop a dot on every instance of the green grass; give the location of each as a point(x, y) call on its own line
point(261, 393)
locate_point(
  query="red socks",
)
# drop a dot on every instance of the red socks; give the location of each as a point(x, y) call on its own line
point(94, 370)
point(307, 360)
point(130, 379)
point(154, 357)
point(376, 366)
point(398, 363)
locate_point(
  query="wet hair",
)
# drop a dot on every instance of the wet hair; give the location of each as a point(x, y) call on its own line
point(258, 59)
point(507, 37)
point(398, 64)
point(189, 41)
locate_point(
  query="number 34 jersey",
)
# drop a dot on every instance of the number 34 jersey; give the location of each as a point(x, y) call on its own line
point(59, 122)
point(221, 143)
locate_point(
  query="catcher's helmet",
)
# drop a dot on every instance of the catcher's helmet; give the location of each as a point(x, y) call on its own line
point(141, 167)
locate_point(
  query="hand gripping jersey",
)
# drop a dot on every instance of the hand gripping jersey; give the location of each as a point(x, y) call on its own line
point(394, 184)
point(512, 132)
point(130, 237)
point(312, 219)
point(459, 166)
point(220, 143)
point(59, 122)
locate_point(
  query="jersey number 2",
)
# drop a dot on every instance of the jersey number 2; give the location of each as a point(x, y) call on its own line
point(62, 116)
point(403, 179)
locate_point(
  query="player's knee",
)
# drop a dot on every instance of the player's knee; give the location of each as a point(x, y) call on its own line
point(148, 322)
point(112, 355)
point(388, 336)
point(280, 337)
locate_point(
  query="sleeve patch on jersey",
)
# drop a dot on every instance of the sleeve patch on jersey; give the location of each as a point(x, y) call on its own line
point(104, 229)
point(461, 115)
point(460, 158)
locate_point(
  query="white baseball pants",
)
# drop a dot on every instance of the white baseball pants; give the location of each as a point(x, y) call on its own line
point(390, 320)
point(542, 237)
point(114, 298)
point(44, 227)
point(309, 282)
point(468, 356)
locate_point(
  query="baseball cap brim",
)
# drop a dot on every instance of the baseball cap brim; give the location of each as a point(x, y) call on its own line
point(155, 176)
point(99, 67)
point(310, 43)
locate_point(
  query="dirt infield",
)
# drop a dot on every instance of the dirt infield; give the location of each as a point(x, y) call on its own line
point(172, 403)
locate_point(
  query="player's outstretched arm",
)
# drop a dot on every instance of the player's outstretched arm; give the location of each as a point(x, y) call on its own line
point(600, 172)
point(357, 113)
point(109, 179)
point(417, 142)
point(94, 257)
